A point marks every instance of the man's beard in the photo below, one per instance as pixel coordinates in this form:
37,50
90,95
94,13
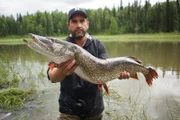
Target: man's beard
78,37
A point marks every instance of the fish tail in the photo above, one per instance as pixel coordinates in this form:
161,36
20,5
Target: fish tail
150,76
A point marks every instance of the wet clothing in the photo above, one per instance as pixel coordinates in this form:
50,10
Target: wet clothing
77,96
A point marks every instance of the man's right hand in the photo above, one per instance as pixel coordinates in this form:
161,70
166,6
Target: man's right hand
60,71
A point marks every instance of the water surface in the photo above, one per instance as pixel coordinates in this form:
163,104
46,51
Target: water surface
161,101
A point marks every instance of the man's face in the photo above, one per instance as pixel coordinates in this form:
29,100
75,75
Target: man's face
78,25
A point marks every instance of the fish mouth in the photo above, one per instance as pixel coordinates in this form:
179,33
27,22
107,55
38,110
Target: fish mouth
52,48
40,44
41,40
33,36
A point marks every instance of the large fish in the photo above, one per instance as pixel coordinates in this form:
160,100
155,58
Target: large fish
90,68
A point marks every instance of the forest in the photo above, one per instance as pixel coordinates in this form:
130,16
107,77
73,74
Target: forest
134,18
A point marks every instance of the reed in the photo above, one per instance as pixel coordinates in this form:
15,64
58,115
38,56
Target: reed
123,108
9,77
12,96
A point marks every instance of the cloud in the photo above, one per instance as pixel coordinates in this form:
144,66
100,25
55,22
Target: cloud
12,7
8,7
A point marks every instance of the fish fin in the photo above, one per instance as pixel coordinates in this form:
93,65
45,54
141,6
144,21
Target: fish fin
106,88
51,65
135,76
150,76
136,59
100,86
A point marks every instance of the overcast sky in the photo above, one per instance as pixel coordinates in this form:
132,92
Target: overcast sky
12,7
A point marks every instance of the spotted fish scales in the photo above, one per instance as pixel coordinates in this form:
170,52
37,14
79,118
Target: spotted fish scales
90,68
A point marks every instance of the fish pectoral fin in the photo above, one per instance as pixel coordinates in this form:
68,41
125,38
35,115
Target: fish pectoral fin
105,88
51,65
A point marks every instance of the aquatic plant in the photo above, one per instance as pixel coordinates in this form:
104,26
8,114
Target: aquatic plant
9,77
123,108
14,98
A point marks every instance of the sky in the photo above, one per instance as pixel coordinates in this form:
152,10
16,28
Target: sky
12,7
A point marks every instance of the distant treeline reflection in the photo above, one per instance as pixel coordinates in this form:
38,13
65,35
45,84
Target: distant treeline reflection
162,55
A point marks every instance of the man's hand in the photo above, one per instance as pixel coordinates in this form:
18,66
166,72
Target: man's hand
124,75
67,67
60,71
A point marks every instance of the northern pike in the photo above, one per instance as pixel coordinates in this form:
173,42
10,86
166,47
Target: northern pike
90,68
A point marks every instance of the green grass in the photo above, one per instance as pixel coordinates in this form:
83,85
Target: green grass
14,98
13,41
123,108
140,37
123,37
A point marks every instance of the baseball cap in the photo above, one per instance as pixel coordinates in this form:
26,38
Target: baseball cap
75,11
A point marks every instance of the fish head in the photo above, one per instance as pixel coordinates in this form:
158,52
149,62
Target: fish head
57,50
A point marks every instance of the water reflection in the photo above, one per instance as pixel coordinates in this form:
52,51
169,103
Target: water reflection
28,66
14,52
163,55
161,101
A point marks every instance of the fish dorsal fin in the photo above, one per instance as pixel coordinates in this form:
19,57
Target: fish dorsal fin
136,59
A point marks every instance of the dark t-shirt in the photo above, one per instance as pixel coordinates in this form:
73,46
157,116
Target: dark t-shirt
80,97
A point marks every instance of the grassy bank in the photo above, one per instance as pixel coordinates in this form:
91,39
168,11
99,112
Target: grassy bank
140,37
124,37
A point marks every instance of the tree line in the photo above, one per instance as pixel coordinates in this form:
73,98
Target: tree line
134,18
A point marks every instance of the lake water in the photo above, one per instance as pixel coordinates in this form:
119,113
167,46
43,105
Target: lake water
129,99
